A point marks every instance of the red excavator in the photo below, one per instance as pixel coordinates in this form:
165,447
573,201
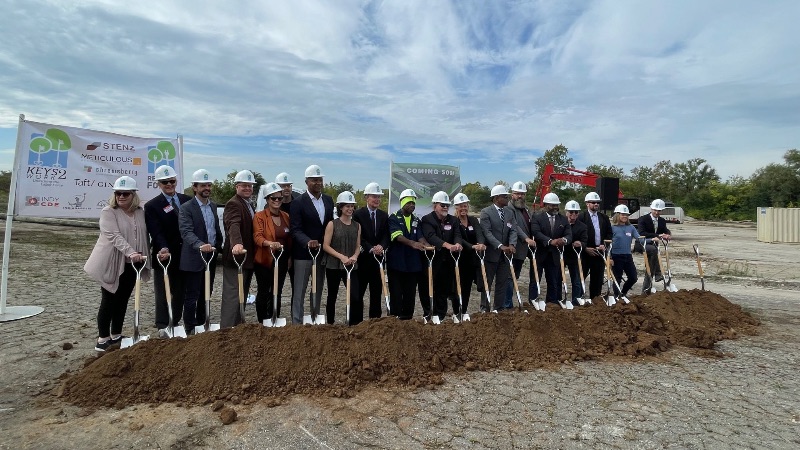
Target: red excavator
580,177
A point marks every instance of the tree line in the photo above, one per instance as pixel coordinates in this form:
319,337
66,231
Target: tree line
694,185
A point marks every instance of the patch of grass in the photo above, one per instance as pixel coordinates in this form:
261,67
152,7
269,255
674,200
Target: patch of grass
738,269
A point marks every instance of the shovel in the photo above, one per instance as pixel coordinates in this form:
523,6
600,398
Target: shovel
458,289
661,269
581,300
699,267
516,285
610,299
668,276
171,330
384,280
566,303
347,293
275,321
481,256
128,341
313,318
433,317
240,275
207,326
536,302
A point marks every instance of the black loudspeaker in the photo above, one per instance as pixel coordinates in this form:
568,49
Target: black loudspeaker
608,189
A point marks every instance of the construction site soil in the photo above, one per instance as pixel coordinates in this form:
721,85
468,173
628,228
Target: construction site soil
251,363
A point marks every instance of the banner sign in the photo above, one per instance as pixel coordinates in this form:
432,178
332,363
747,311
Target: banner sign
70,172
425,180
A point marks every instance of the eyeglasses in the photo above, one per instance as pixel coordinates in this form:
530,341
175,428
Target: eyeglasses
122,194
444,205
168,181
275,199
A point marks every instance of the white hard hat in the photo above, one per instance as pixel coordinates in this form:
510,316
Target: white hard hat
622,209
592,197
313,171
572,205
519,186
408,193
283,178
552,199
125,183
657,204
269,189
165,173
460,198
441,197
346,197
373,189
202,176
500,189
244,176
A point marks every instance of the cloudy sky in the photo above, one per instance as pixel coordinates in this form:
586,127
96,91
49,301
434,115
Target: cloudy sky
352,85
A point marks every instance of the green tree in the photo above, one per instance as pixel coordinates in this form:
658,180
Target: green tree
559,157
479,196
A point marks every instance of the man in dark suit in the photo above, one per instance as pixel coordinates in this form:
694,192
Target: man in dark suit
497,223
308,216
374,241
524,240
442,231
552,233
653,226
161,216
579,239
199,226
240,247
598,230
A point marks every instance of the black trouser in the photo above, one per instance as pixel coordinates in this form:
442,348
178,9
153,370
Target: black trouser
575,278
552,275
424,292
624,263
194,302
595,266
333,277
369,275
113,306
402,293
443,283
176,287
265,279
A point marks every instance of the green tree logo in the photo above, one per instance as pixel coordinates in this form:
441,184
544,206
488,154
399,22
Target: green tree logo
46,149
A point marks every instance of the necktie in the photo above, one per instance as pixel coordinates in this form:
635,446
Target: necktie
502,215
596,225
372,219
552,225
174,204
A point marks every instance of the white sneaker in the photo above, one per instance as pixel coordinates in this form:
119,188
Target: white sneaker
580,301
569,304
465,317
535,305
455,319
541,304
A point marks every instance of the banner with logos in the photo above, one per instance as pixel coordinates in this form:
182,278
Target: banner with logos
425,180
70,172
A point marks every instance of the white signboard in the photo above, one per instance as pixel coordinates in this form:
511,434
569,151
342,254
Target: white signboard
70,172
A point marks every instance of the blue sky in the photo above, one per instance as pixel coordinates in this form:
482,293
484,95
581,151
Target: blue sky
351,85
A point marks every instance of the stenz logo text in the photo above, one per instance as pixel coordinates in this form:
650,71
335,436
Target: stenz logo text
46,173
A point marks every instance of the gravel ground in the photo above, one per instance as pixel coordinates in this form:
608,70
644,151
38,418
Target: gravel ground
748,399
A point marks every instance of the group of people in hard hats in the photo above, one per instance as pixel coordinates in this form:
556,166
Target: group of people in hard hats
437,257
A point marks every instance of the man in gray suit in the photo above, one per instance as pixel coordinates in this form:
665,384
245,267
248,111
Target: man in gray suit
499,229
199,226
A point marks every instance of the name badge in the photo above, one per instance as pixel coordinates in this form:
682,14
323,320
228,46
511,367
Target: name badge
508,224
628,234
448,227
168,208
285,230
469,228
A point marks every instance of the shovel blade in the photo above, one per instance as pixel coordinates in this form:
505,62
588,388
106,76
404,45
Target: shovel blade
319,320
127,342
201,328
465,317
177,332
279,322
610,300
435,320
673,288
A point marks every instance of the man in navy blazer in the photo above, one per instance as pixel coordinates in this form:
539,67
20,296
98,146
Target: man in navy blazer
552,232
161,216
374,240
200,231
308,216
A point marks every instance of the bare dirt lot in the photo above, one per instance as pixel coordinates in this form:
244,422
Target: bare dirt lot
747,398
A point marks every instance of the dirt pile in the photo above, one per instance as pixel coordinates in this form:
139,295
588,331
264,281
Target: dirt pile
251,362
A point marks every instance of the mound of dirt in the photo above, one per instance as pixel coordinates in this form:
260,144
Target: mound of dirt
251,362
